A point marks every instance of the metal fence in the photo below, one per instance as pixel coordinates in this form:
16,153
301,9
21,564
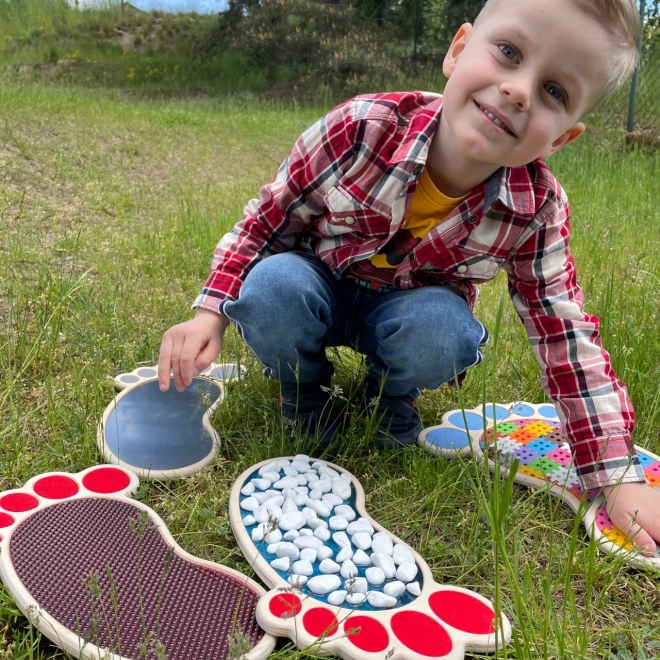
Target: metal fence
644,101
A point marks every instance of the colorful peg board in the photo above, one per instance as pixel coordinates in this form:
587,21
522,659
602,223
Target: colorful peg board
68,540
532,434
425,620
163,435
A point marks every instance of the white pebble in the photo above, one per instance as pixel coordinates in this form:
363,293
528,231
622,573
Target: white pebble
308,542
274,537
346,477
290,471
344,554
348,569
302,489
302,567
271,548
321,508
291,534
318,464
385,563
309,554
289,492
323,553
402,553
271,476
337,597
378,599
315,494
345,510
330,472
324,484
357,585
249,504
311,477
293,520
260,497
414,588
281,564
395,589
332,500
360,525
338,522
306,532
361,558
273,502
374,575
261,484
286,482
269,467
257,534
248,489
315,523
303,458
382,542
322,533
341,539
261,514
324,584
341,489
249,520
361,540
308,512
301,499
329,566
406,571
301,479
355,598
297,580
300,465
288,550
289,505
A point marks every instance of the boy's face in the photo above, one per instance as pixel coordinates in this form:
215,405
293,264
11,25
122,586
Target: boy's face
520,80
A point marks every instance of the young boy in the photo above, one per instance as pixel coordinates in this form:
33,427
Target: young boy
392,207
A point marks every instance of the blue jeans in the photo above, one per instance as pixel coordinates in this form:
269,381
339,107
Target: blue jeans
291,308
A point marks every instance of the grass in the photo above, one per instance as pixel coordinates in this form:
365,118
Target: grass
110,206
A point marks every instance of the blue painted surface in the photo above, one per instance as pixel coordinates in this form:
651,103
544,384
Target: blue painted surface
501,413
474,422
548,411
261,546
523,410
448,438
154,430
147,373
129,378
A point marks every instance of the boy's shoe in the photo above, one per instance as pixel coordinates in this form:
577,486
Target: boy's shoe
307,410
398,420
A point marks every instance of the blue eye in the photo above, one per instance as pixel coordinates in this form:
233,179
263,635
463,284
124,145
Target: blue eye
556,92
508,51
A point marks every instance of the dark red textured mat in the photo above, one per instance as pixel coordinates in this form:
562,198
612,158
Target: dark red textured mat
192,610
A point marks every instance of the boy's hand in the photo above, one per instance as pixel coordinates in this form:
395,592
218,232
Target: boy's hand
635,509
188,348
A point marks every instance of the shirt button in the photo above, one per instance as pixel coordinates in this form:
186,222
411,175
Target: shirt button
349,219
472,219
411,258
418,170
462,268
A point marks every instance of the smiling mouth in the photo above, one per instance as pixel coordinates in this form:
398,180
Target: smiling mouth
498,122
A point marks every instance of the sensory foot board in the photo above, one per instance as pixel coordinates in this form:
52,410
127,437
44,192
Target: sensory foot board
533,434
71,543
163,435
342,584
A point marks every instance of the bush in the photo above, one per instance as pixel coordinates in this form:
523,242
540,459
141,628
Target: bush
318,43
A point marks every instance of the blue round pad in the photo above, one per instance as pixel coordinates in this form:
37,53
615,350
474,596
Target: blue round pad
548,411
128,378
523,410
474,421
448,438
153,430
500,412
147,373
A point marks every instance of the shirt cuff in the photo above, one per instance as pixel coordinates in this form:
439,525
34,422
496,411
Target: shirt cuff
606,462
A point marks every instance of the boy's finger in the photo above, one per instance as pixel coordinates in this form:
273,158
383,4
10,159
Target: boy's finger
165,363
177,345
640,537
189,351
206,356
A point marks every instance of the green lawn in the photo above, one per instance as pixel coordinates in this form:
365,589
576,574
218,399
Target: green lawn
110,207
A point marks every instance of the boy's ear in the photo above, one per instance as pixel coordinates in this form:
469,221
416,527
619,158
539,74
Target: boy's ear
457,46
573,133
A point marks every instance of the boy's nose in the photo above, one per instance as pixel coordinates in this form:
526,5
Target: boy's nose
517,92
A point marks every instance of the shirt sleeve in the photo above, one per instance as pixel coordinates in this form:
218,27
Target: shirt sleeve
286,207
577,375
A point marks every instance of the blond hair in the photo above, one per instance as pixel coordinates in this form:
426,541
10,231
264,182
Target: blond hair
622,22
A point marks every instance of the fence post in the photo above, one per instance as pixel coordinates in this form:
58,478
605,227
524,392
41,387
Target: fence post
635,78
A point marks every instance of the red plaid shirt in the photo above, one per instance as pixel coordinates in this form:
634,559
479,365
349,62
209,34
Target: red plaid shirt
345,190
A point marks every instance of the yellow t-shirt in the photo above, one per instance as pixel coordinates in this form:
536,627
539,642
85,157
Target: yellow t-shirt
429,207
